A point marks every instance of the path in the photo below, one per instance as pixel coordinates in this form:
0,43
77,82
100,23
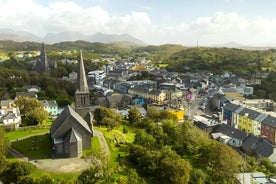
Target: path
103,143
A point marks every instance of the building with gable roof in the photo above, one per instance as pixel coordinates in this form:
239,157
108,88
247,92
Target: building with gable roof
268,129
70,134
9,114
50,106
247,121
227,112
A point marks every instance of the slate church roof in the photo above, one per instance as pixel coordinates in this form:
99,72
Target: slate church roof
72,136
68,113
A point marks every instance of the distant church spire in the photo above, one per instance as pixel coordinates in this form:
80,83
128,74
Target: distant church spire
43,59
82,82
82,95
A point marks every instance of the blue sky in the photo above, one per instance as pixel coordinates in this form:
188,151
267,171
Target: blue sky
210,22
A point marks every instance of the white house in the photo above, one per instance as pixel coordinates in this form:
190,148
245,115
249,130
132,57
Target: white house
9,114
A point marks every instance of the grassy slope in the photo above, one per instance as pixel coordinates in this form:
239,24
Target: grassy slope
115,151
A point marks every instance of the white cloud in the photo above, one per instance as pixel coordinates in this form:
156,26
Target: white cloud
232,27
221,28
68,16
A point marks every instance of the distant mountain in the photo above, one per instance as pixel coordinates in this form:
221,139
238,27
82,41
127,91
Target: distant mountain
13,37
64,36
232,45
21,36
110,38
244,47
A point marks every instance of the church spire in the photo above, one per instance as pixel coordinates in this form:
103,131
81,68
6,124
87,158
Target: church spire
43,59
82,82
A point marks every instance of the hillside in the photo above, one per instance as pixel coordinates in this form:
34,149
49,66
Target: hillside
159,53
97,47
218,60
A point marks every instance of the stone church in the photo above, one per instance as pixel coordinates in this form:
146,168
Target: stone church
43,65
72,130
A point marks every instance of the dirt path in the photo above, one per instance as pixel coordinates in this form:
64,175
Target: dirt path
103,143
65,165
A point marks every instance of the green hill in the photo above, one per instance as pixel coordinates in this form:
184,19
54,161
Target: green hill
218,60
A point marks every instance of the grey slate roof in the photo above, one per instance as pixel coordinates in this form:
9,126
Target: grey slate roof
67,113
220,97
252,114
72,136
270,121
258,146
231,107
239,109
231,131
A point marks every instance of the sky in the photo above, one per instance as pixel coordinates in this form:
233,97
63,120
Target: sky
186,22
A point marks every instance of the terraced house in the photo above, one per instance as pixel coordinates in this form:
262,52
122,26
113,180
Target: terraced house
268,129
248,121
251,121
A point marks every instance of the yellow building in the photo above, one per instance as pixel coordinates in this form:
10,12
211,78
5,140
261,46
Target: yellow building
179,114
245,124
249,121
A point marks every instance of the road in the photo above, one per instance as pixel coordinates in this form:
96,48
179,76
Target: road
194,105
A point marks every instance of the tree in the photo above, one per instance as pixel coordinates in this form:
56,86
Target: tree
133,177
15,171
144,139
133,115
198,176
266,166
91,176
221,161
173,169
32,110
4,144
38,180
153,113
165,114
102,112
110,122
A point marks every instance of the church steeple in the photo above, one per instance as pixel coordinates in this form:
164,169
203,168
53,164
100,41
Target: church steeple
43,59
82,82
82,96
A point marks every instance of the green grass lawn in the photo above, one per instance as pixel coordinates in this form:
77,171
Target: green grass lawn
116,150
35,147
21,133
29,131
95,147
